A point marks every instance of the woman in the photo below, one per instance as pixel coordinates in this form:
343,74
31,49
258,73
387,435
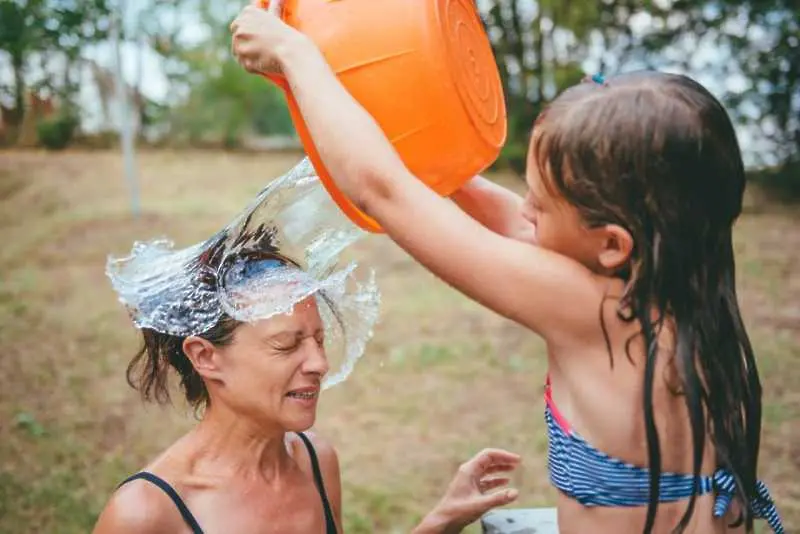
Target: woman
249,465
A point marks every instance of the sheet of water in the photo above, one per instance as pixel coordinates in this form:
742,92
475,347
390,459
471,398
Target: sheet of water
242,271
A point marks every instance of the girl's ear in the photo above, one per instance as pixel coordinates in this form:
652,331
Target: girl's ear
616,247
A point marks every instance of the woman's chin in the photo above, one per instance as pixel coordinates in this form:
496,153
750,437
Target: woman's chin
300,424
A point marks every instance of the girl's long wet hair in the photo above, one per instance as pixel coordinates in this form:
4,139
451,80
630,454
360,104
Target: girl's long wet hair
657,154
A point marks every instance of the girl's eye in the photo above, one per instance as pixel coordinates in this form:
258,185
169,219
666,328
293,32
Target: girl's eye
286,348
320,340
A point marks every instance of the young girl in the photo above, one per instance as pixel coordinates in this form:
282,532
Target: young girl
620,257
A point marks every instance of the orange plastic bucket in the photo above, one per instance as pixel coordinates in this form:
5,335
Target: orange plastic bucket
424,69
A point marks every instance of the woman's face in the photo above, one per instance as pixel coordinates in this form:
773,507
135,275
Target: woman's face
273,369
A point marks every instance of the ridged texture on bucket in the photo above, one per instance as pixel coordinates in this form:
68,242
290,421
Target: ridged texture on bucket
473,66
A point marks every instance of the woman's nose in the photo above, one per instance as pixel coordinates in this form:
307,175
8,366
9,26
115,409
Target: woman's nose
316,360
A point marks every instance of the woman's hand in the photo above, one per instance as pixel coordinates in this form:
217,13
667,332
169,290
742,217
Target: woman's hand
260,37
469,495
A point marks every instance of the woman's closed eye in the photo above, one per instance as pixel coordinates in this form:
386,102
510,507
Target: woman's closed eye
286,343
286,348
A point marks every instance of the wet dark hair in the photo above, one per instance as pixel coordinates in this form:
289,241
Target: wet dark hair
149,370
657,154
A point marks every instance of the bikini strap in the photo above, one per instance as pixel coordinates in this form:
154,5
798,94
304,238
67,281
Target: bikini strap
330,524
172,494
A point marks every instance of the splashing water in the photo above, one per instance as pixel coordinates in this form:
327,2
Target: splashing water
282,249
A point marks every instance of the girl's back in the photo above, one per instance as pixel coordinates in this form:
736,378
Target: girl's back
602,403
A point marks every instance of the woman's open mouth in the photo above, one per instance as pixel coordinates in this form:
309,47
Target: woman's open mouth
304,395
299,395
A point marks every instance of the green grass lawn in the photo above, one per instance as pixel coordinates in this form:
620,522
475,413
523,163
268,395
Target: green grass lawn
441,379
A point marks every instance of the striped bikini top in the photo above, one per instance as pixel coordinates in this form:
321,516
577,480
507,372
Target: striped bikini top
593,478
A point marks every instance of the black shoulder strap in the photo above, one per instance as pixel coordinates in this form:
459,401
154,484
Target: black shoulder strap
172,494
330,524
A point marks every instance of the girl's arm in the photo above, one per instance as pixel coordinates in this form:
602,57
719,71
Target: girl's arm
549,293
542,290
495,207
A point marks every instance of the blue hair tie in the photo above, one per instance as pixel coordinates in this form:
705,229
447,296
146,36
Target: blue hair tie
598,79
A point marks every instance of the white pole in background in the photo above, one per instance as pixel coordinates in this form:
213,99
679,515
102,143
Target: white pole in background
126,133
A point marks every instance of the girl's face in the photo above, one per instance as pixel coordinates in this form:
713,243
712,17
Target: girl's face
559,227
558,224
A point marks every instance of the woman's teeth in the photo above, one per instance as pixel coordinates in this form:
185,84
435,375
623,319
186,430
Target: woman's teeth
309,395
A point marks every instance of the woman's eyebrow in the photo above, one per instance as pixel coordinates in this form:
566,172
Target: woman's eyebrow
294,333
283,335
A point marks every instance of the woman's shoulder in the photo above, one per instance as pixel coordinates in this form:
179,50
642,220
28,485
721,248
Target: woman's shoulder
328,466
322,448
138,506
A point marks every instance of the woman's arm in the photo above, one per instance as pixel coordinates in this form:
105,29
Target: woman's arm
495,207
525,283
471,492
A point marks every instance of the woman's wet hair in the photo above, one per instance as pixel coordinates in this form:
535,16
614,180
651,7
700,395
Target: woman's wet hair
657,155
149,371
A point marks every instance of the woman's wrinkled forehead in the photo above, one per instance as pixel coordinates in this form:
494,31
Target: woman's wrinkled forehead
304,317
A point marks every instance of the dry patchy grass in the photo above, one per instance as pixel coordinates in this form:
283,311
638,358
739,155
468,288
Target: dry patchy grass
442,377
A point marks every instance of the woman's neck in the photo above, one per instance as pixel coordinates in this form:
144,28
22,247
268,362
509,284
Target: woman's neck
231,445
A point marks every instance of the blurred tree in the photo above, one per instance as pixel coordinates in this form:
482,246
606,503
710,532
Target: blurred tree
52,31
21,33
216,100
70,27
758,42
540,47
226,102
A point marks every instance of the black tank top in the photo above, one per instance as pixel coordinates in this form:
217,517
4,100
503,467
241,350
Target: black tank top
330,524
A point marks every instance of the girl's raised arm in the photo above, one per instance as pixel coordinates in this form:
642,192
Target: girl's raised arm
544,291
